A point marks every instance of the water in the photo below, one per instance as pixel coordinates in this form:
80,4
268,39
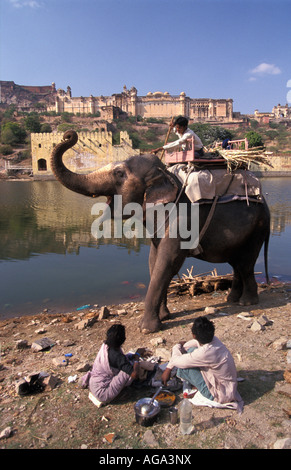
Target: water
49,259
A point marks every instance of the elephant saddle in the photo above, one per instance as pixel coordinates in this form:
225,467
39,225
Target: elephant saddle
207,184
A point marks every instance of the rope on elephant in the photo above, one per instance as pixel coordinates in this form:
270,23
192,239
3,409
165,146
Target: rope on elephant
190,169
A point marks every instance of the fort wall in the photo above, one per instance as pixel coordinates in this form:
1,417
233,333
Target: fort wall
93,150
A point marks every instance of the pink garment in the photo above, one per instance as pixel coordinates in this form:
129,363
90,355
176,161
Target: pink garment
216,365
104,382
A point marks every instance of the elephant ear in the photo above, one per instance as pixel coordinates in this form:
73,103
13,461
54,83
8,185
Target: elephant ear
161,188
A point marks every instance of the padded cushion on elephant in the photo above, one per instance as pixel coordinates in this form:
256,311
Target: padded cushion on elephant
206,184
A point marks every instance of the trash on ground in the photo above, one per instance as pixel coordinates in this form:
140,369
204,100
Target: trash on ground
42,344
83,307
72,378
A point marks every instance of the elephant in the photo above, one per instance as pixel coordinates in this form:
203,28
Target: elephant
235,235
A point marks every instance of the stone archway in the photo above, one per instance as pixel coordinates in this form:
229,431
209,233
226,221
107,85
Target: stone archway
42,164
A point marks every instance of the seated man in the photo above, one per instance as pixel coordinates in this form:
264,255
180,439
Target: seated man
206,364
184,133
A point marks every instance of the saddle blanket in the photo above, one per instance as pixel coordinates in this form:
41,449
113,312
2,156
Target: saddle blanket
206,184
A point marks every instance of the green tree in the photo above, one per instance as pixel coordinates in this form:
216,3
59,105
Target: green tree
254,139
45,127
66,127
66,117
32,123
6,149
12,133
254,123
210,134
9,112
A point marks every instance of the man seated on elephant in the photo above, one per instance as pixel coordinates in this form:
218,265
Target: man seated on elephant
183,132
112,370
206,364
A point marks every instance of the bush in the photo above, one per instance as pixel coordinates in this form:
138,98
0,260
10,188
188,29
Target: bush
210,134
66,117
12,133
32,123
9,112
272,134
155,120
6,149
254,139
254,123
66,127
135,138
46,127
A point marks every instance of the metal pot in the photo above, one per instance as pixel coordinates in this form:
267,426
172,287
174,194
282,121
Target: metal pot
151,416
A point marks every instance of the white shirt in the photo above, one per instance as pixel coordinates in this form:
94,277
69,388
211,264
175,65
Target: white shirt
216,364
188,134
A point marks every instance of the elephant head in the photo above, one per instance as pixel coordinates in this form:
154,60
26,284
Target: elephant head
141,178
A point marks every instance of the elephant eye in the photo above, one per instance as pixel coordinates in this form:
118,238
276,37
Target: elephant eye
119,172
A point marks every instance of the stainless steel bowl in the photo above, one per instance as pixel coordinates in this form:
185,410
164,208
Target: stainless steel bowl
149,418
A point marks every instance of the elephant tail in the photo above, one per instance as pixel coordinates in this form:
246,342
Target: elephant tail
266,246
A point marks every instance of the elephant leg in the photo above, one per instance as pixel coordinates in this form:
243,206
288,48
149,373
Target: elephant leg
250,287
164,312
244,287
236,287
168,261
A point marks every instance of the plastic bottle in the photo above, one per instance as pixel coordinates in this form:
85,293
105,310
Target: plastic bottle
186,415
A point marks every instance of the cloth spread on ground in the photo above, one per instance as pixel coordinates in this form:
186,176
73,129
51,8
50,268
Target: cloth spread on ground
200,400
206,184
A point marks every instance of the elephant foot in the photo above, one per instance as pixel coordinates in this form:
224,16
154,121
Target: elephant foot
243,301
233,298
164,314
150,326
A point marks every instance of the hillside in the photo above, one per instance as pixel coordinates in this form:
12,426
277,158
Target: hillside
145,134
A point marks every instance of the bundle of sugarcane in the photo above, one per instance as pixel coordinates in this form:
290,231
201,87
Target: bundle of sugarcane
238,158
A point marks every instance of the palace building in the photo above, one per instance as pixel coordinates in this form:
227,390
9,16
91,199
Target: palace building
153,105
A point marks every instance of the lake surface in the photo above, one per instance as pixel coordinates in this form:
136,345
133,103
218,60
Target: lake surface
49,259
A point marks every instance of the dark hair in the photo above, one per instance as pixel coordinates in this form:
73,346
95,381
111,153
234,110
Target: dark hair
115,336
181,121
203,329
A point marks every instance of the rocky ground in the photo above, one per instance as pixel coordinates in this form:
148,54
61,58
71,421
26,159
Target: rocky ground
60,416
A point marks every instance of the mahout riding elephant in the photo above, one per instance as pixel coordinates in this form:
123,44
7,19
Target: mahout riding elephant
235,235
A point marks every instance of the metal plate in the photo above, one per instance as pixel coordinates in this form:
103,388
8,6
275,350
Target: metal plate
166,398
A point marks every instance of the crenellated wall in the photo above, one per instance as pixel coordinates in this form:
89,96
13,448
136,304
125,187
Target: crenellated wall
93,150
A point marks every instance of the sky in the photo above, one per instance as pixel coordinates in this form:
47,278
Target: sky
239,49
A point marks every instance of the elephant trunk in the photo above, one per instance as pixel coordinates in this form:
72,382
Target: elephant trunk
97,183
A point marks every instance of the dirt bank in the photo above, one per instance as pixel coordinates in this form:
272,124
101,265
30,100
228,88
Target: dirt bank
62,416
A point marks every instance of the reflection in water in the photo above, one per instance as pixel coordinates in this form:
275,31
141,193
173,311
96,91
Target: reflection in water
44,217
277,192
49,259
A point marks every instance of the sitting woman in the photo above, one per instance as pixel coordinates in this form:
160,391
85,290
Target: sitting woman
112,370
